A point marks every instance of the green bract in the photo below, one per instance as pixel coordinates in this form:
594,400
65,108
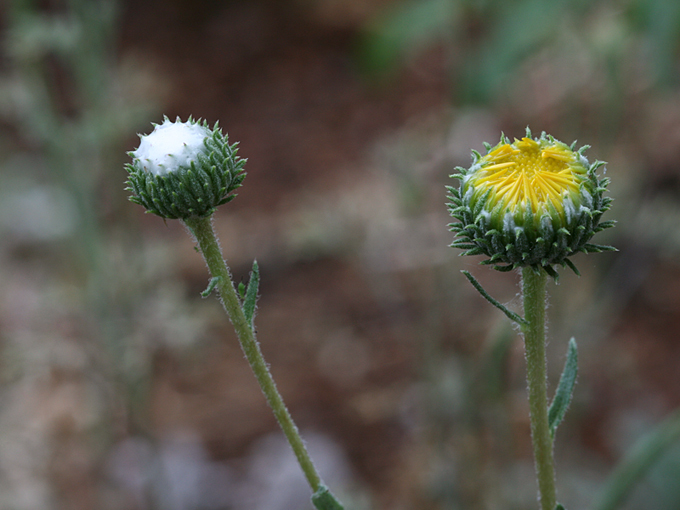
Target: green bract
184,170
532,202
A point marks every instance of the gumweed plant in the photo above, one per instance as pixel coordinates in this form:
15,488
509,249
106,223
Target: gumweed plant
185,170
530,205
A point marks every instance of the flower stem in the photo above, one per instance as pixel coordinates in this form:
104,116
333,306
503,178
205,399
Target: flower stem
534,294
209,246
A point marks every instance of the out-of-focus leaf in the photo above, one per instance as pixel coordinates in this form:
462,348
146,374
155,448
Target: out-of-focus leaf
659,21
515,32
406,29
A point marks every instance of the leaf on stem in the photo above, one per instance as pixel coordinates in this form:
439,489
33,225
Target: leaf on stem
560,507
565,389
250,299
322,499
211,286
510,315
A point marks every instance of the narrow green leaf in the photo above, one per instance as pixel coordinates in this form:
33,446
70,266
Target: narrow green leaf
565,389
322,499
211,286
510,315
560,507
637,463
250,299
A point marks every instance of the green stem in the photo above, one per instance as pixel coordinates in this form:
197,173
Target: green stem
534,293
207,242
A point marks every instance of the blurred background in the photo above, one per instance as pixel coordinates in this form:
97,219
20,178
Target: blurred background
122,389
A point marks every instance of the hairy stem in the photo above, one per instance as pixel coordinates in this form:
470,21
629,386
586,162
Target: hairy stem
534,295
209,246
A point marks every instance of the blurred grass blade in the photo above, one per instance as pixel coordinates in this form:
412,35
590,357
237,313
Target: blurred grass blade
565,389
637,463
250,299
324,500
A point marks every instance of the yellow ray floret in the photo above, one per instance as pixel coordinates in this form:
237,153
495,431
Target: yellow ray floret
529,173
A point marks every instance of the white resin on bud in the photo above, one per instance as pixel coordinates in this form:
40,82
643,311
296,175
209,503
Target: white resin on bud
170,146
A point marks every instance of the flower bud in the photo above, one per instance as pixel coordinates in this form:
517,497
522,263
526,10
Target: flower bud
184,170
533,202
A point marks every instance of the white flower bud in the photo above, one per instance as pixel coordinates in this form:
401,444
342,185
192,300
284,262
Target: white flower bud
170,146
184,170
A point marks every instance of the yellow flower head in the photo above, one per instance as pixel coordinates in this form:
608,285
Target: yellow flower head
530,173
534,201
